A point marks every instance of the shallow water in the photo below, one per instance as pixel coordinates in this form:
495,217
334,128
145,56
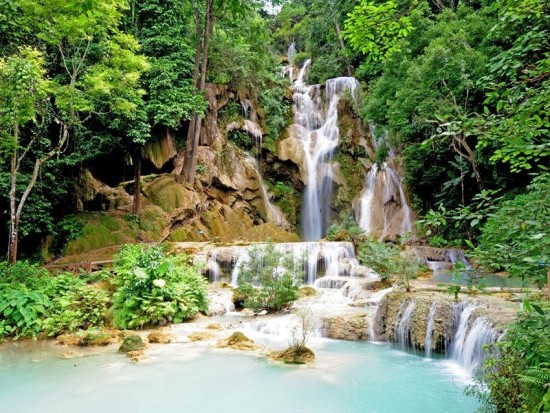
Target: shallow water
347,377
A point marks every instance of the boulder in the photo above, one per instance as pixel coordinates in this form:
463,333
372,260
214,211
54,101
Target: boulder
237,341
294,355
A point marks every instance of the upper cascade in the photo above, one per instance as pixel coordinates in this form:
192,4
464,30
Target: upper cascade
382,208
316,121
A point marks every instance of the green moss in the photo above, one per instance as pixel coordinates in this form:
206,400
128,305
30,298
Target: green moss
152,220
169,193
179,235
109,222
354,174
101,230
131,342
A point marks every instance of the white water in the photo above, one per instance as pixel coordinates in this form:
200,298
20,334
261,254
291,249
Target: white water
382,202
291,52
467,345
316,259
402,329
318,131
430,329
365,216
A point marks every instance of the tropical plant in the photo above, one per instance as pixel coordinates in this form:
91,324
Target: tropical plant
155,289
269,279
22,312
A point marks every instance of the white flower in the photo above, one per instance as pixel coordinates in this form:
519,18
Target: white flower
159,282
140,273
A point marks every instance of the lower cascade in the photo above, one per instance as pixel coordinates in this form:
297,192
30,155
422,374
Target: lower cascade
325,264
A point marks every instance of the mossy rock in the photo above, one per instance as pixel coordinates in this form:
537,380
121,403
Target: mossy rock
100,231
169,193
307,291
294,355
201,336
131,342
152,221
159,337
237,341
96,339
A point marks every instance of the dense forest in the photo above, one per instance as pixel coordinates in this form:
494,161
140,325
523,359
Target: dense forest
458,90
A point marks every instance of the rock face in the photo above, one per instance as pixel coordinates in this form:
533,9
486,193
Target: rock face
237,341
346,327
294,355
416,308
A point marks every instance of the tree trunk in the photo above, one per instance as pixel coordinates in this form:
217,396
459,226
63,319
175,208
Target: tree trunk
342,45
191,159
137,181
14,224
189,150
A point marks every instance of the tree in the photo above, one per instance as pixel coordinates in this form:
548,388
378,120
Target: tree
206,14
99,75
23,91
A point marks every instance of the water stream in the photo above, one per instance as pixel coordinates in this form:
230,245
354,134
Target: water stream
317,124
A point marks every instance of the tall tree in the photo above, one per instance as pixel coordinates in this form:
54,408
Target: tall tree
23,91
99,72
206,14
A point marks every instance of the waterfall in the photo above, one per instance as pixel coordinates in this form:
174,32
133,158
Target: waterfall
383,197
470,338
319,134
430,329
328,262
401,329
291,52
366,200
213,268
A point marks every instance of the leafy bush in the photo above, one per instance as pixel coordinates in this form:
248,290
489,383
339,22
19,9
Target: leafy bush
76,306
22,311
518,373
276,108
23,273
388,261
268,279
516,238
154,289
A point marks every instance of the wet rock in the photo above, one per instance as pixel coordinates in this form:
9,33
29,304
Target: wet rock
294,355
214,326
131,342
237,341
201,336
159,337
136,355
346,327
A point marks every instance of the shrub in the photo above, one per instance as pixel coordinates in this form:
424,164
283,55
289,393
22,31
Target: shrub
154,289
22,312
518,373
268,280
76,306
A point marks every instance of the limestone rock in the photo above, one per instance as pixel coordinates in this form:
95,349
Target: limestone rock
131,342
294,355
346,327
237,341
160,337
201,336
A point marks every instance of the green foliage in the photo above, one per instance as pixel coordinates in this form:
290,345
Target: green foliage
269,279
76,306
131,342
22,311
376,29
518,373
276,107
516,237
154,289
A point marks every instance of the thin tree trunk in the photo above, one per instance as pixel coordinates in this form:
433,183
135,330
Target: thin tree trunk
342,45
186,171
14,225
137,181
190,160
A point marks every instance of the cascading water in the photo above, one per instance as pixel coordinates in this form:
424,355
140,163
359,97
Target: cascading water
467,347
383,205
430,329
402,329
319,134
291,52
333,261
